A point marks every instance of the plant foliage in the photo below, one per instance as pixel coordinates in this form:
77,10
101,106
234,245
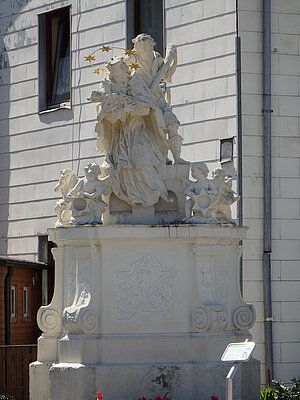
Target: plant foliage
280,391
267,394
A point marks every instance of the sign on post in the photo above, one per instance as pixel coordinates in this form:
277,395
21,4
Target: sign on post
238,352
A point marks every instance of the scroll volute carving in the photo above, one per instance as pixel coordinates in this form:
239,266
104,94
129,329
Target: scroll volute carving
49,317
211,315
81,317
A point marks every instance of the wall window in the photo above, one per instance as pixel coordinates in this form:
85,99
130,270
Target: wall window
45,255
226,150
13,304
146,16
25,302
54,59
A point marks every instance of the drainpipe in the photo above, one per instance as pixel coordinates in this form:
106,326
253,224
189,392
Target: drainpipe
10,271
267,189
239,136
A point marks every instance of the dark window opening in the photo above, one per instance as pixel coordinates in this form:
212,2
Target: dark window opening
45,255
54,59
146,16
25,302
13,304
226,150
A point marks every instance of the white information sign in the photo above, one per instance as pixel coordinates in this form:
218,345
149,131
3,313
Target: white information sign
238,352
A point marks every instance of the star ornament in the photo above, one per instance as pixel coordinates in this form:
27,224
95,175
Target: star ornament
105,49
134,66
129,52
98,71
90,58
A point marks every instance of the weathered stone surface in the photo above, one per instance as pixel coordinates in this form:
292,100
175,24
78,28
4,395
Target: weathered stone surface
137,306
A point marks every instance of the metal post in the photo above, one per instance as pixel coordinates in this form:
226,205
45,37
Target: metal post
229,381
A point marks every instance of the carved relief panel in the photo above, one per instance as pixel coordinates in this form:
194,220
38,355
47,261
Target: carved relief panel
145,287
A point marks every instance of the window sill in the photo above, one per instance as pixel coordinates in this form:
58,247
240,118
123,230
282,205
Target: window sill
62,106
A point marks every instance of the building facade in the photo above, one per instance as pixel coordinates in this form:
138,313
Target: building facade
47,124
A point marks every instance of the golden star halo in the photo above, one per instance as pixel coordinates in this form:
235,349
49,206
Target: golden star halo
90,58
134,66
98,71
105,49
129,52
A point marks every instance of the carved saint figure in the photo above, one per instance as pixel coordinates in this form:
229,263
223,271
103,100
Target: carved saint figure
130,136
86,197
135,126
153,68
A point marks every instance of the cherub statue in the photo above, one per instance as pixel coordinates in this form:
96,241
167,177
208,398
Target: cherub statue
67,180
226,195
202,193
86,197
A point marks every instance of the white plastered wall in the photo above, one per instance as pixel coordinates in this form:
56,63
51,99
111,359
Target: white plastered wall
203,91
285,177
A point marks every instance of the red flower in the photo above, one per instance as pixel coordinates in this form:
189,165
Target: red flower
214,398
99,397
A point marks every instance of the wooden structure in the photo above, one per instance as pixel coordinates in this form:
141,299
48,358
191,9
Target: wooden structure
14,371
21,286
21,297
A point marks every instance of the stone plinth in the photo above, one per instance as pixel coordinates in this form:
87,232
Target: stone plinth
142,310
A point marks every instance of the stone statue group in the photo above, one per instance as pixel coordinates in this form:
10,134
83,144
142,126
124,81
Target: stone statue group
136,129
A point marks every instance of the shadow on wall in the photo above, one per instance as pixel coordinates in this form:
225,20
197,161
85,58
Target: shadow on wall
9,10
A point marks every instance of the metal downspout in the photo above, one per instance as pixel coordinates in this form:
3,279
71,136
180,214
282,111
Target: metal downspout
10,271
267,190
239,137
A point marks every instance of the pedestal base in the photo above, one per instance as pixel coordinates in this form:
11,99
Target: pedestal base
143,311
178,381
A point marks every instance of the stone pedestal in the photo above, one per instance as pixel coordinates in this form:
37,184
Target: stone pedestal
143,311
